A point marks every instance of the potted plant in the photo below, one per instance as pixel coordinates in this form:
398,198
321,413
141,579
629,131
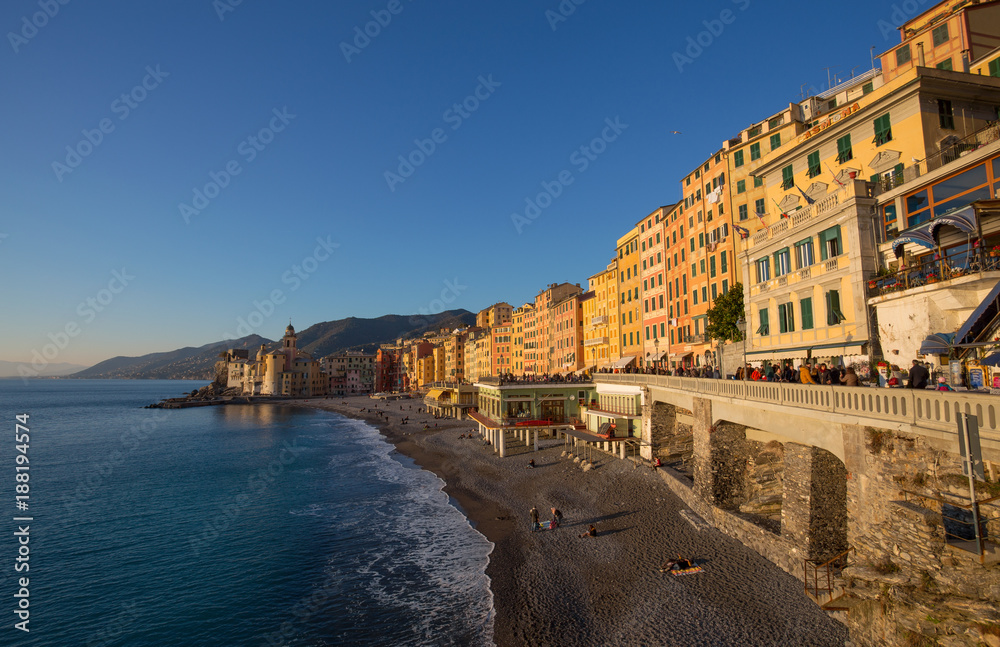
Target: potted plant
872,284
995,251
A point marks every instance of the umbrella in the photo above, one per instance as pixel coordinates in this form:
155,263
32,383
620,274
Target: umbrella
939,343
991,360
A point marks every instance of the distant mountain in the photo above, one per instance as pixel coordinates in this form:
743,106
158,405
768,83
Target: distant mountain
319,340
182,364
10,369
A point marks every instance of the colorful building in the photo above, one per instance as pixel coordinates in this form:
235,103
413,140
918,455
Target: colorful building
600,318
629,299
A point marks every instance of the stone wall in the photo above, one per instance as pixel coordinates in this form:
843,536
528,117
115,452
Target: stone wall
913,587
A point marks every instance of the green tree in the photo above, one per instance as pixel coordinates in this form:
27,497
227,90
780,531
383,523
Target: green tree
722,317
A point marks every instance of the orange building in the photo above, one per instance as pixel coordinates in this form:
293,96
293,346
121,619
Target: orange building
652,251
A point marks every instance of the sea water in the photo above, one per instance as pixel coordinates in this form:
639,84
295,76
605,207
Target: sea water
226,525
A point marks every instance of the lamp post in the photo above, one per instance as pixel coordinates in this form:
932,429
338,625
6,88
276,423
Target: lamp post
741,325
656,355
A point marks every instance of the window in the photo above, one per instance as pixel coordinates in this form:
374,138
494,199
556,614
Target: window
763,270
694,293
701,239
684,282
829,243
692,243
786,318
743,211
787,177
831,104
741,186
755,151
806,307
944,65
757,181
995,67
844,152
946,116
940,34
902,55
833,314
804,253
704,293
711,267
883,130
701,265
722,263
775,141
759,207
763,328
782,262
715,291
775,122
814,168
867,87
725,286
738,159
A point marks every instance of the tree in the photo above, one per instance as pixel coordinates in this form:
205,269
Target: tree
722,317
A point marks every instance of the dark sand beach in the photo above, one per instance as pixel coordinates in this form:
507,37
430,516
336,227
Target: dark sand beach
556,588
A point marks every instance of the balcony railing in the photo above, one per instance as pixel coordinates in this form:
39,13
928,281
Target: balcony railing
596,341
927,270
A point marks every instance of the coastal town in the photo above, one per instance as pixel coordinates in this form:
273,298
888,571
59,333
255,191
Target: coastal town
800,343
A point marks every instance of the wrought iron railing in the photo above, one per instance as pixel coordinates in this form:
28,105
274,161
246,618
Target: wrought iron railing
927,270
819,578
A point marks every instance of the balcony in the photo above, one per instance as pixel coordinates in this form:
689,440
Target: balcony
595,341
927,271
599,321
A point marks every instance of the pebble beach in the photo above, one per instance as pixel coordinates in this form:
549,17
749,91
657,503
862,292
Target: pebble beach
556,588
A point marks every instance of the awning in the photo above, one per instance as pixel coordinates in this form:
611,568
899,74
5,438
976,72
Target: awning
981,318
925,234
937,344
623,362
587,436
435,394
802,352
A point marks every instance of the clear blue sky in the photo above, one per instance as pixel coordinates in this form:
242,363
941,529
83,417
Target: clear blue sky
71,219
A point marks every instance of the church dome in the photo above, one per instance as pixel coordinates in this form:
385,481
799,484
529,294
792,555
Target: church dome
289,330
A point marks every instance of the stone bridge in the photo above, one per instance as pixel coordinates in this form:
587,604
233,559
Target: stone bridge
864,476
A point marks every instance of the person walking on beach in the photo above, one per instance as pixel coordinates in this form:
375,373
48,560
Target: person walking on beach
556,517
534,518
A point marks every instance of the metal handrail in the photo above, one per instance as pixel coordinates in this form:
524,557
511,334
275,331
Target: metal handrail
828,565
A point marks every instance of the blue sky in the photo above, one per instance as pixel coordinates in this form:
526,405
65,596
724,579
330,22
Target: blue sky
287,123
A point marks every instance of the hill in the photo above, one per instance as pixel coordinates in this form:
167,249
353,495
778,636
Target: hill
318,340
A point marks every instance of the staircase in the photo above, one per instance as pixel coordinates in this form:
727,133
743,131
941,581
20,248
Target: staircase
826,588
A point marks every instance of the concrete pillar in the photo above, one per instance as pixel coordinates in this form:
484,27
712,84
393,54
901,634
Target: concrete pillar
720,457
536,439
814,501
621,450
503,444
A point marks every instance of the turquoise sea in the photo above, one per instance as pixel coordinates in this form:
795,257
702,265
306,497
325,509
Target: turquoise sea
232,525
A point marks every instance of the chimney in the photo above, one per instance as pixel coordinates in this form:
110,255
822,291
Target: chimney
920,55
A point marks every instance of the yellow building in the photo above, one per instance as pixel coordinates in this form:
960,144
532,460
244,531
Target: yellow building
497,314
517,343
629,298
807,273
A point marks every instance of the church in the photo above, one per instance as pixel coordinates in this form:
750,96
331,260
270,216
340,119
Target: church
286,371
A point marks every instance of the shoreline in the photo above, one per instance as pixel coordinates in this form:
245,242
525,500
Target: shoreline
557,588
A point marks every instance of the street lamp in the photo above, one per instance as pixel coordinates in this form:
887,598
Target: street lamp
741,325
656,354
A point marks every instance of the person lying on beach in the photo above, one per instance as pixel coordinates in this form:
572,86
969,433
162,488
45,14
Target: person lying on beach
678,564
591,532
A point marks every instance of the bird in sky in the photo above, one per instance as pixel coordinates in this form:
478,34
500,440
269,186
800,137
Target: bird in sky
675,132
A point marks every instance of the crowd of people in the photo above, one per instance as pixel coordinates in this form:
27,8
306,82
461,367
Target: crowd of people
544,378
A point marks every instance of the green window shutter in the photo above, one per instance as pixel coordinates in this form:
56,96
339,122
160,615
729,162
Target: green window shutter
945,65
787,177
758,181
814,167
755,151
741,186
883,130
776,139
711,267
738,159
722,261
807,313
995,67
763,329
844,152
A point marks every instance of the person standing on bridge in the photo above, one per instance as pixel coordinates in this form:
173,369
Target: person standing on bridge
918,376
805,376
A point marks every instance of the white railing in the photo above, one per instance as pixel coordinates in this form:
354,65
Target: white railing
920,408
